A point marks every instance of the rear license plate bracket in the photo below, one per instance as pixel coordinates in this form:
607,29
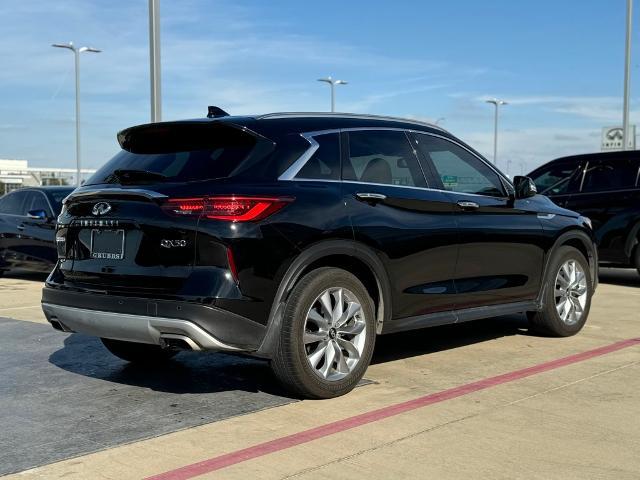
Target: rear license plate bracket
107,244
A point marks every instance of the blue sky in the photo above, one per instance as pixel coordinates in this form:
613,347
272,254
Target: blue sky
558,63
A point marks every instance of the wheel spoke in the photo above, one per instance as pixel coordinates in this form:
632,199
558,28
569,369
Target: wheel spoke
318,355
562,307
342,366
325,301
351,349
318,319
580,290
352,309
336,314
354,329
312,337
330,354
577,306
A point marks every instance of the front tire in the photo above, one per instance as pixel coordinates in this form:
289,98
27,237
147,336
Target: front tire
567,295
327,335
142,353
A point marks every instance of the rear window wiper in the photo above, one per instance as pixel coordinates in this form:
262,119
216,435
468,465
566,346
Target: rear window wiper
124,176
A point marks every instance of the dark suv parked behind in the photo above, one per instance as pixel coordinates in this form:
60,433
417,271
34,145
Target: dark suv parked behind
300,237
606,188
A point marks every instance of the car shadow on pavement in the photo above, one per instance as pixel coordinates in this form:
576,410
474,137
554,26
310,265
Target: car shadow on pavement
209,372
625,277
186,373
435,339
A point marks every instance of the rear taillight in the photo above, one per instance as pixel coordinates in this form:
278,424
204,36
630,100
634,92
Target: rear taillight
232,208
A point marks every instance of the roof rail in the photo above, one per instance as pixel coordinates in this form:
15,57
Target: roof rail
345,115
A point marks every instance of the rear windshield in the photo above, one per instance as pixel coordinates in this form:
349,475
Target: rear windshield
180,153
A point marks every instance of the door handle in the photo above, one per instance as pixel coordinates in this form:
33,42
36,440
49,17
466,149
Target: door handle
371,197
465,205
20,227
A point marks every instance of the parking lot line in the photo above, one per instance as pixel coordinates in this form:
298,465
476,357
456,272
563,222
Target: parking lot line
283,443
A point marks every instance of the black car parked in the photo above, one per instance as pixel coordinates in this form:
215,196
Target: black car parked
27,228
300,237
606,188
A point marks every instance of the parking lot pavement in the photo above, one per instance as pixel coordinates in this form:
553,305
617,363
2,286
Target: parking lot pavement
20,296
449,402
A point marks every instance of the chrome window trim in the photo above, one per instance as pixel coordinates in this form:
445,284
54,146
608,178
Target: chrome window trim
294,169
290,173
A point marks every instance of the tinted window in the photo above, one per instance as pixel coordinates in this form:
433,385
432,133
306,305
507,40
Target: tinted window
325,162
13,203
36,201
610,175
457,169
178,153
558,178
382,156
56,197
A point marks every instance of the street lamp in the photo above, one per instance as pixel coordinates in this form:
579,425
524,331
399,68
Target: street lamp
333,84
627,79
497,104
437,122
77,51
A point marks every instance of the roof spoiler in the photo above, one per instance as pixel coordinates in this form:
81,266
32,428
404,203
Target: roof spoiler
216,112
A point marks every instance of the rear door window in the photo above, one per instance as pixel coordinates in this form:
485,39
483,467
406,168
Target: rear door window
13,203
325,162
610,175
384,157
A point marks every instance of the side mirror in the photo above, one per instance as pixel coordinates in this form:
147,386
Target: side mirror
524,186
37,214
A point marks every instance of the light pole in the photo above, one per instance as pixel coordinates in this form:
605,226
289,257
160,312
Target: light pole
154,60
76,52
497,104
627,79
333,84
437,122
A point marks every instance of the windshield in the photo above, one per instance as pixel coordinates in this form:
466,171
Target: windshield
178,153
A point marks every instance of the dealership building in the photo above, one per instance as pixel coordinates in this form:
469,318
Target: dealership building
16,174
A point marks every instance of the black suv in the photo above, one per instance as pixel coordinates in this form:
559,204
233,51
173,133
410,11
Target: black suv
606,188
300,237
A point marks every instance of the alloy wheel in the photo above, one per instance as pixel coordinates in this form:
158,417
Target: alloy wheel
571,292
334,333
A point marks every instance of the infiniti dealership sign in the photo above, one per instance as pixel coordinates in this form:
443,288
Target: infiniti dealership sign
612,138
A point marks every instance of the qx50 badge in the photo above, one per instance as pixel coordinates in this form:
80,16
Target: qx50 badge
173,243
101,208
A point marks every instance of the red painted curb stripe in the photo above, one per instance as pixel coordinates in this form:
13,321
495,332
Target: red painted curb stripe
282,443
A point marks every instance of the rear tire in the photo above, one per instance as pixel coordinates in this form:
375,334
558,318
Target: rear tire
567,295
323,352
142,353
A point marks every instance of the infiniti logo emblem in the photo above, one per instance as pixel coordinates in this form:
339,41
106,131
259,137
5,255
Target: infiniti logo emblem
101,208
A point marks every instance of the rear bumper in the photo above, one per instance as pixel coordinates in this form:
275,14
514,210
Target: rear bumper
158,322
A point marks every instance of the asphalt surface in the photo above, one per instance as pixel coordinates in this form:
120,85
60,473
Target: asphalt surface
65,395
